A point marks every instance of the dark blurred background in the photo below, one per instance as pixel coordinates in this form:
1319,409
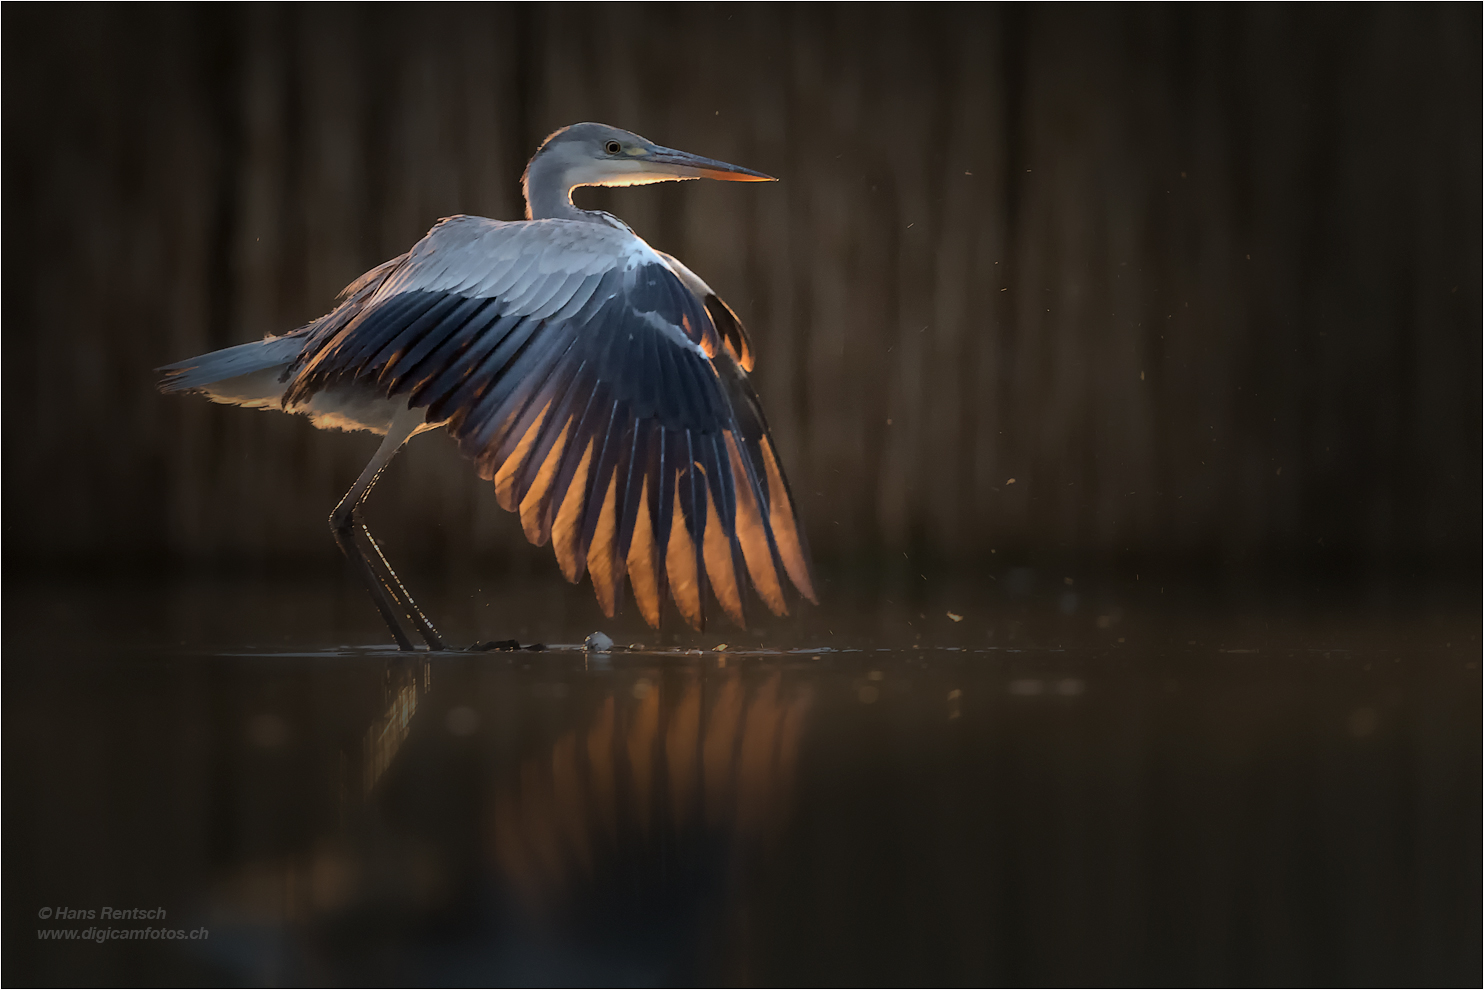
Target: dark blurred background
1205,281
1193,700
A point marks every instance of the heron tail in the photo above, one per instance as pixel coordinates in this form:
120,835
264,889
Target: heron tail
246,375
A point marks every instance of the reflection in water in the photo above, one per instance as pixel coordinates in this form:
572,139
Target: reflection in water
294,889
615,812
656,769
304,884
384,736
952,816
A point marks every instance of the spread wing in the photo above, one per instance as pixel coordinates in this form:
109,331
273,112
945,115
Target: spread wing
594,387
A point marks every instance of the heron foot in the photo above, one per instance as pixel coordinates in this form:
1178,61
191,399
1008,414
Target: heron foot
504,646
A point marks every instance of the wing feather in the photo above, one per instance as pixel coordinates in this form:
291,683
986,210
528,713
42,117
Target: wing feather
535,500
733,333
663,503
680,561
493,406
443,318
571,483
564,528
536,476
785,527
720,569
752,533
610,451
456,389
643,560
345,354
406,369
504,278
603,565
546,505
634,469
455,360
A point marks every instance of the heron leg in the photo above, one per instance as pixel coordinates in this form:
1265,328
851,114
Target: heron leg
391,597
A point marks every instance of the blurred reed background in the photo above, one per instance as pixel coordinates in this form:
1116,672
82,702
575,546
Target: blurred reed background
1205,281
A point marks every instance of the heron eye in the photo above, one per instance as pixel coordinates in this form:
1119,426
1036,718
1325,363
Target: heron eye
611,147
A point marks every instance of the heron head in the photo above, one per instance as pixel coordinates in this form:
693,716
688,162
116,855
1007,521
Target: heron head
600,155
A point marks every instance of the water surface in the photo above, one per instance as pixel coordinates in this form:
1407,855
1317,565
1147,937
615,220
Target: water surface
1073,799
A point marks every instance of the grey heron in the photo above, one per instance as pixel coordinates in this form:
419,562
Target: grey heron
599,383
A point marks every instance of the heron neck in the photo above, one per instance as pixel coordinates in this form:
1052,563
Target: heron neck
549,191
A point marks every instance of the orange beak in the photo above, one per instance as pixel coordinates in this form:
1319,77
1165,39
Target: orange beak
686,165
